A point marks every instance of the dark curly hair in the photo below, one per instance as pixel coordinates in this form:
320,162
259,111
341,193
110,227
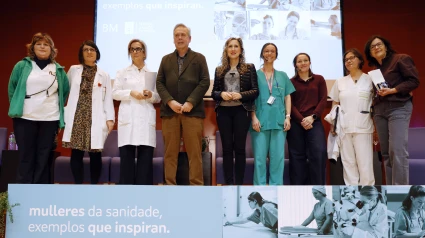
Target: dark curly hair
371,60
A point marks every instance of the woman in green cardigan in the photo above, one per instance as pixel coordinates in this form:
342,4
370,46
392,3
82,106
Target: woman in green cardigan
38,89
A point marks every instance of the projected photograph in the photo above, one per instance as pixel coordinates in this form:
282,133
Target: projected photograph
326,25
305,211
282,5
333,211
250,211
263,25
294,26
406,215
360,211
325,5
288,24
230,24
230,5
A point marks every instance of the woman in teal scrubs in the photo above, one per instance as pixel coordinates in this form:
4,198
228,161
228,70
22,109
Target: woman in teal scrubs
410,218
322,212
265,212
271,119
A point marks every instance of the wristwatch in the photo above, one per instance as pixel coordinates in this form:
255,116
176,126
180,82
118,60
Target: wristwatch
314,116
288,116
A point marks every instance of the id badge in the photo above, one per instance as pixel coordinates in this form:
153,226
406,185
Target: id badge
271,100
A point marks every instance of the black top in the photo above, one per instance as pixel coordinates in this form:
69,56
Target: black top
41,63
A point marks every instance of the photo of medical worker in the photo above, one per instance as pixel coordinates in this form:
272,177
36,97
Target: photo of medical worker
229,24
230,5
296,26
326,25
325,5
250,211
360,212
263,25
305,211
406,211
282,5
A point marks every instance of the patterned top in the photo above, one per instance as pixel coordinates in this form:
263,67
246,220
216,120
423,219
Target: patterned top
232,83
81,129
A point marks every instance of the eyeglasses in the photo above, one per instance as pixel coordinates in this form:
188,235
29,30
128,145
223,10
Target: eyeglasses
138,49
379,45
349,59
89,50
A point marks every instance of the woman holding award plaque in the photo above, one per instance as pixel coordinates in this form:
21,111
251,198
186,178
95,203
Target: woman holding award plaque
393,105
135,87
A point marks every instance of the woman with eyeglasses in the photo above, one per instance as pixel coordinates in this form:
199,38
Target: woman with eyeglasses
136,117
234,91
392,105
410,218
271,119
292,32
354,93
306,138
38,89
89,114
369,217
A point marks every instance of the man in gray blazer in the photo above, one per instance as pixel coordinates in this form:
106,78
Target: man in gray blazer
182,81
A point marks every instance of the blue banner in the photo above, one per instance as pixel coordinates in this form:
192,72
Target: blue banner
115,211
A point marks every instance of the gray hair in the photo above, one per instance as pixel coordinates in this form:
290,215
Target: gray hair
182,25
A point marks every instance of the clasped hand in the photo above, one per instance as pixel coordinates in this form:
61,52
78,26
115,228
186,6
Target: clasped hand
179,108
230,96
307,122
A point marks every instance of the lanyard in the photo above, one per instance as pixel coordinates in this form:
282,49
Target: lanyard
270,82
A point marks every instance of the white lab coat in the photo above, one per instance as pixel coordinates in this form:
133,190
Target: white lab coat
355,100
136,118
102,105
334,142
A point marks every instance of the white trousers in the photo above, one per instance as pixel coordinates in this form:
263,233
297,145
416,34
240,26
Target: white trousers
357,159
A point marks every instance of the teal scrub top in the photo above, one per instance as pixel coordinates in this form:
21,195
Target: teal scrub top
320,212
272,116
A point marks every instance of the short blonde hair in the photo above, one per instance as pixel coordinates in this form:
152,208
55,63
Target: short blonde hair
144,48
42,36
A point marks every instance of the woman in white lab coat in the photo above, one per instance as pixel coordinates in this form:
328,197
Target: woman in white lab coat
372,221
89,114
354,94
136,117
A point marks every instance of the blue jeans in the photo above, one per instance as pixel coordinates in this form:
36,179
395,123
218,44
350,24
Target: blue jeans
392,124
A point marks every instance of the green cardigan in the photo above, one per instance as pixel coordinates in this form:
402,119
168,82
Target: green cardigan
18,88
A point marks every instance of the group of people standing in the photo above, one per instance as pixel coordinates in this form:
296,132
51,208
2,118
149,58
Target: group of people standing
265,102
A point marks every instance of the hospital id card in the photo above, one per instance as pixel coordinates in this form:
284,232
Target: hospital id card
271,99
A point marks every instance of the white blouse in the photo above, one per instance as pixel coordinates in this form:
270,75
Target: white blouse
43,106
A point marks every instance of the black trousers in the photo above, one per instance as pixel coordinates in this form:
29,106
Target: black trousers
143,173
307,154
77,166
233,124
35,143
